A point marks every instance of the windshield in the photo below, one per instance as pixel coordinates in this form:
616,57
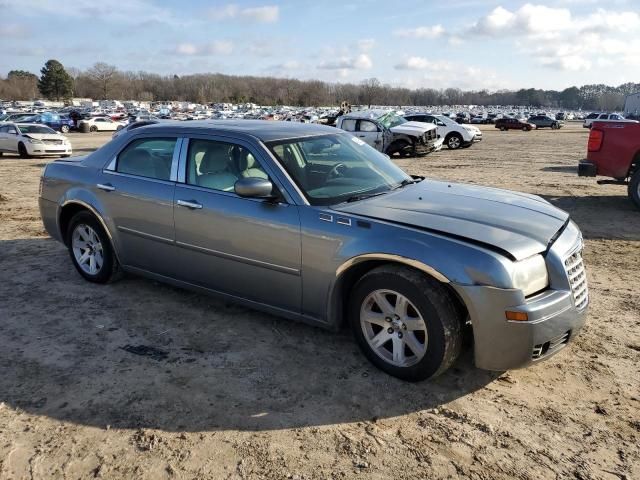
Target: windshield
35,129
390,120
331,169
446,120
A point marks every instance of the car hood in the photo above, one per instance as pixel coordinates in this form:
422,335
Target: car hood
517,224
413,128
44,136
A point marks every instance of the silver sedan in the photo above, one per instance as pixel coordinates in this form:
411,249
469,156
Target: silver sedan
310,223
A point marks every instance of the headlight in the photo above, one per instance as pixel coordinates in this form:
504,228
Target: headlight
530,275
34,140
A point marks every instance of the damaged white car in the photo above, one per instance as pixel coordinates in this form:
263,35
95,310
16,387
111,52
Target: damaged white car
390,133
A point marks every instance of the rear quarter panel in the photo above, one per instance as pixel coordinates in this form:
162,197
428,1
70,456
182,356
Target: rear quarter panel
620,146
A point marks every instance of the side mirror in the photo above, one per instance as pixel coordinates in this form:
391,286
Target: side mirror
253,187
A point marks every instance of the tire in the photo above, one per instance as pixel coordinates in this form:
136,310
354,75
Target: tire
554,126
454,141
85,234
634,187
22,151
399,147
93,128
503,129
437,328
526,129
64,129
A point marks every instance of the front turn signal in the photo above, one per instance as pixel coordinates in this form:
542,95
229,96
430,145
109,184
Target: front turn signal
517,316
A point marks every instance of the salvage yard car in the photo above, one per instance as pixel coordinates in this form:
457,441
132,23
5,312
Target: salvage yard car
28,140
504,124
100,124
311,223
544,121
454,134
390,133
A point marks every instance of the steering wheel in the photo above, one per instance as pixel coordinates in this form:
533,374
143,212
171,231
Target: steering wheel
335,171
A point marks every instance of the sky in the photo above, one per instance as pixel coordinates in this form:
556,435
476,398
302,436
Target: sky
467,44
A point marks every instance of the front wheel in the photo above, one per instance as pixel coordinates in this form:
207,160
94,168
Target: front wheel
634,188
503,129
454,141
64,128
405,323
90,249
22,151
93,128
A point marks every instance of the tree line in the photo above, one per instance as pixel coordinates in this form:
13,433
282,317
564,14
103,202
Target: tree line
103,81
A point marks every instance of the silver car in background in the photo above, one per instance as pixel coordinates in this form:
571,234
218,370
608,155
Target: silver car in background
311,223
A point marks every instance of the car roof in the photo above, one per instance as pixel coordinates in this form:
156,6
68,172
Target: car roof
264,130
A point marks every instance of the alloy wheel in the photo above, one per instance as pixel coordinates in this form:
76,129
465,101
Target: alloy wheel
393,328
87,249
454,142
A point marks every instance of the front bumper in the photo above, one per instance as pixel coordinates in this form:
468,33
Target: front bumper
555,316
587,169
500,344
44,149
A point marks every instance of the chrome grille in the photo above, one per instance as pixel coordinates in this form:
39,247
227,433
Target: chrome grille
577,275
52,142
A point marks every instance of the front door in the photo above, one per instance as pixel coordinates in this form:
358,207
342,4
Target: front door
244,247
137,191
369,133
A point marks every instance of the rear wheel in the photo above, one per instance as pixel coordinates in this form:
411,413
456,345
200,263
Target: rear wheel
503,129
22,151
64,128
634,187
93,128
405,323
90,249
454,141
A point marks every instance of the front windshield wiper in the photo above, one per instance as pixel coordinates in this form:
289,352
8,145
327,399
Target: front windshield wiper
363,196
406,182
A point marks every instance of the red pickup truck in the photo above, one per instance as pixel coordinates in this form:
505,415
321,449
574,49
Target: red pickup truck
614,151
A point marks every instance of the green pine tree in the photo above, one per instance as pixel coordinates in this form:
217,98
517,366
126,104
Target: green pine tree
55,83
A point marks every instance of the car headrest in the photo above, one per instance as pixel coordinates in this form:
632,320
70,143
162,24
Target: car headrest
215,159
247,161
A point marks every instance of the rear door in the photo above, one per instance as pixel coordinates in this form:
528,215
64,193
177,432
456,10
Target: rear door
137,189
245,247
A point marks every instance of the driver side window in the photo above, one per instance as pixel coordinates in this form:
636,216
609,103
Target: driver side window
219,165
367,126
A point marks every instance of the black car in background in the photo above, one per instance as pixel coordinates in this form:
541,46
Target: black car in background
544,121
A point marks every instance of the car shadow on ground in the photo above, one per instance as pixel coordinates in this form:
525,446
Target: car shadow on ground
602,217
139,354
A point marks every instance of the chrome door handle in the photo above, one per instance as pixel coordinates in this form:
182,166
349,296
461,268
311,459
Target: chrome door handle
107,187
189,204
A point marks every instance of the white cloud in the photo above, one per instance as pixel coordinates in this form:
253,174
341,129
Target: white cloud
412,63
366,44
559,40
445,74
218,47
359,62
13,31
433,31
264,14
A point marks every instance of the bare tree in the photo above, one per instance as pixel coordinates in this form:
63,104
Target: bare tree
104,75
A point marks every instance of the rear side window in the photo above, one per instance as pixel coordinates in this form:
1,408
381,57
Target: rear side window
147,157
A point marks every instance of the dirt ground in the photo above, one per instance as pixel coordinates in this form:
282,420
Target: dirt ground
233,393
